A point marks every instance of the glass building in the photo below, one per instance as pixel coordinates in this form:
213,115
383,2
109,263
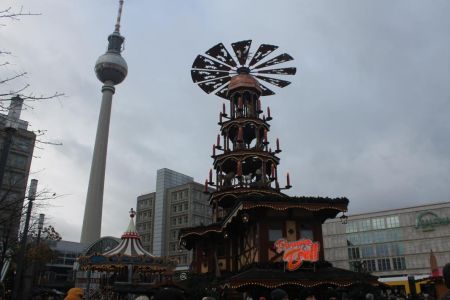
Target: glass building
390,243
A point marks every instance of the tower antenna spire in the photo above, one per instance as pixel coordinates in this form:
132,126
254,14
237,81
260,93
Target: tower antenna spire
119,16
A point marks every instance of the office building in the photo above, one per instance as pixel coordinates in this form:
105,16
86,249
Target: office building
391,242
145,208
187,206
178,202
165,179
17,145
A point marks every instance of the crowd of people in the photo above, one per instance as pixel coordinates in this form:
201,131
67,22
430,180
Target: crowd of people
305,294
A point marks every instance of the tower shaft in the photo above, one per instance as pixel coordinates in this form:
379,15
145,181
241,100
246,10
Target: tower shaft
94,200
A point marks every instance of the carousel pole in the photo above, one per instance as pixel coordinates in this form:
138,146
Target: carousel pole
88,285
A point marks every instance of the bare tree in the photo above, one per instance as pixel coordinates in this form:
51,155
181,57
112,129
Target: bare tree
10,81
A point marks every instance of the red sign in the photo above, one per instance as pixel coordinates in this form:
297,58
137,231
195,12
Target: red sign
298,251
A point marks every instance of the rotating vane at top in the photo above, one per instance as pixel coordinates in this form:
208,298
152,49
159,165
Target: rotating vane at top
213,71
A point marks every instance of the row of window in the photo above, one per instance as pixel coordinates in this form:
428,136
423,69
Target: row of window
145,214
388,235
180,207
180,195
179,220
394,249
378,265
145,202
372,224
199,220
144,226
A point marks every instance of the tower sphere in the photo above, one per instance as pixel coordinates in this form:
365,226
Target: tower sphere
111,66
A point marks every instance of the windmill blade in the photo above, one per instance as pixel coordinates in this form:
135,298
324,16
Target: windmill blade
276,60
265,90
203,62
204,75
223,92
262,52
212,85
282,71
220,53
241,49
278,82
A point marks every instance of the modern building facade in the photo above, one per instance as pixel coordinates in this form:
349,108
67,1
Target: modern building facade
178,202
17,145
390,243
144,219
60,273
165,179
187,206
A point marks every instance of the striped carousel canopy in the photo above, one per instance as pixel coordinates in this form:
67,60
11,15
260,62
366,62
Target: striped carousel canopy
131,244
129,252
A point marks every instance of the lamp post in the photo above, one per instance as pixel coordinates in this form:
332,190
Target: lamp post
17,292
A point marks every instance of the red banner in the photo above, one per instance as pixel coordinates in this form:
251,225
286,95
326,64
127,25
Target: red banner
295,253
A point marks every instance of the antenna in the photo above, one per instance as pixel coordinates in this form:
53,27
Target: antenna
213,71
119,15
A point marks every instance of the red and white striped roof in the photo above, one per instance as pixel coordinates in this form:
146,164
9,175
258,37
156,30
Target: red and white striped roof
131,244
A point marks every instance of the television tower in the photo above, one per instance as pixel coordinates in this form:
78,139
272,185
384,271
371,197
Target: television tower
111,69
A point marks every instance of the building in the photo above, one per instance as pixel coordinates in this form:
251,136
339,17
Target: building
59,273
17,145
145,207
178,202
165,178
392,242
187,206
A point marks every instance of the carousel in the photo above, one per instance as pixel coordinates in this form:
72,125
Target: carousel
127,269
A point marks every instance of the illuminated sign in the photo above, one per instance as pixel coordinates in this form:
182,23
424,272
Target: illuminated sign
429,220
295,253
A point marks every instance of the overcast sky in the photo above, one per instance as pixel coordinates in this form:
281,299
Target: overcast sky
366,116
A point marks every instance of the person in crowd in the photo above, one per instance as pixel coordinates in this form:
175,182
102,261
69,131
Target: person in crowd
75,294
169,294
308,295
279,294
141,297
446,276
369,296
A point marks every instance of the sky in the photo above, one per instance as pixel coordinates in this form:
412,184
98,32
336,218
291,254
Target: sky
366,115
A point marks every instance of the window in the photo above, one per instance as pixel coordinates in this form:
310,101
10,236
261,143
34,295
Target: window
384,264
355,266
397,249
353,253
179,220
186,206
364,225
351,227
382,250
306,232
370,265
399,263
17,161
378,223
275,231
174,208
367,251
174,234
173,221
173,246
185,219
392,222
